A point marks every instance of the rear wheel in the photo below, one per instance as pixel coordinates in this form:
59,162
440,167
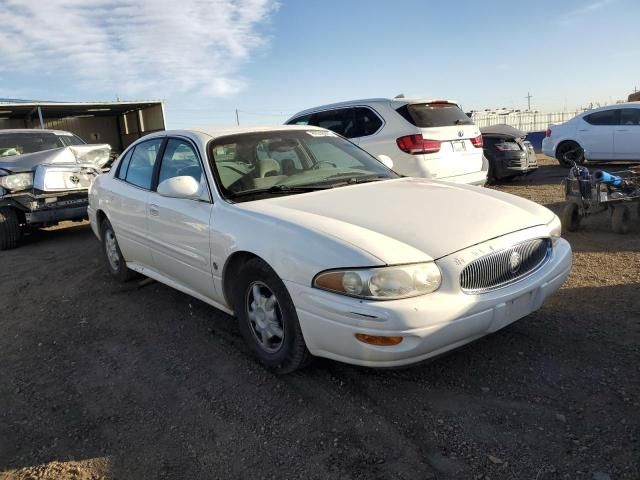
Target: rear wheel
571,217
267,318
620,219
9,228
567,153
113,256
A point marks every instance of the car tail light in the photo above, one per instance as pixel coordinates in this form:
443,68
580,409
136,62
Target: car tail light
477,141
415,144
548,133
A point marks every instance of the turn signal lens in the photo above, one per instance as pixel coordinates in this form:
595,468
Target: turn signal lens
378,340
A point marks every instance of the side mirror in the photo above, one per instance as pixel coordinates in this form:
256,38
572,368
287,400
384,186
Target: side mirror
386,161
180,187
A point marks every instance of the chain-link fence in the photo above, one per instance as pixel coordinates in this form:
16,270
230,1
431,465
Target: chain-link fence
525,121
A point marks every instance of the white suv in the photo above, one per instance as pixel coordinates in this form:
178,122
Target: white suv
425,138
606,133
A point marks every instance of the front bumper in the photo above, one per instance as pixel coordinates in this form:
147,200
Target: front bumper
513,163
42,209
431,324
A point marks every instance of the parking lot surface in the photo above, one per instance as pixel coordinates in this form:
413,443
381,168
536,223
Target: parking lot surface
104,380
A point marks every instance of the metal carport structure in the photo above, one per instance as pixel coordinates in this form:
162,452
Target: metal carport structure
117,123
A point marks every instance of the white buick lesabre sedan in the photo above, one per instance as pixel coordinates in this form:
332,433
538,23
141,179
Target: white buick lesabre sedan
320,249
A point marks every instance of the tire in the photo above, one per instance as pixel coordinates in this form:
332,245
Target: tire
562,150
270,327
571,217
116,264
620,219
9,228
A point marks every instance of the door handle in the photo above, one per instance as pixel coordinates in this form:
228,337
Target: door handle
622,130
153,210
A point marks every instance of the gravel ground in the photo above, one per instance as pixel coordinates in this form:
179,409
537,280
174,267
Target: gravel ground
102,380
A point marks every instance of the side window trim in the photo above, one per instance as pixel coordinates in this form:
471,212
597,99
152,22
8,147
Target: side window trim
193,146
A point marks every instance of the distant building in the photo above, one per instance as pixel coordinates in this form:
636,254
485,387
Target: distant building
634,97
116,123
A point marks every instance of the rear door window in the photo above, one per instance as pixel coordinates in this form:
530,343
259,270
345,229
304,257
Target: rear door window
426,115
606,117
143,159
341,121
367,121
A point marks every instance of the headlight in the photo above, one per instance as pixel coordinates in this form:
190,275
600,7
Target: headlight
555,227
384,283
18,181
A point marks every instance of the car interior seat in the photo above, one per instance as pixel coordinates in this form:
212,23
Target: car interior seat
268,167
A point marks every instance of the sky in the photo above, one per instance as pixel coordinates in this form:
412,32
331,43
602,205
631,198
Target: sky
270,59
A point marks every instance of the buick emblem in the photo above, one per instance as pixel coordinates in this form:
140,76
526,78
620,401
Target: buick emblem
74,179
461,133
515,260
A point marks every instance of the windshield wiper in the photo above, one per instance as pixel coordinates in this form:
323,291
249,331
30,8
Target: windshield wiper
277,189
350,180
463,122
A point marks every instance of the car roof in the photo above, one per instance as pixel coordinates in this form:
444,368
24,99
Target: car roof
205,134
34,130
612,107
394,102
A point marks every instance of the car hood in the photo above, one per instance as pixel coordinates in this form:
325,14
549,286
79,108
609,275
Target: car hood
95,156
408,219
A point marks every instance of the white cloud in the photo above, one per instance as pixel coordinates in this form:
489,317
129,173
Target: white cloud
583,10
152,48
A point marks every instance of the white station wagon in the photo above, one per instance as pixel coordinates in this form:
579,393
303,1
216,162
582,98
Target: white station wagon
320,249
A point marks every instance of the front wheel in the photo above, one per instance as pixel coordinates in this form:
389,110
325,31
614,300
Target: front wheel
267,318
113,256
9,228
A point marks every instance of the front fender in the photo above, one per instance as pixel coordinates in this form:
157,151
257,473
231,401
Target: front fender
295,252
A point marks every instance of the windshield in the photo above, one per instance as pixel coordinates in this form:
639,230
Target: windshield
291,161
31,142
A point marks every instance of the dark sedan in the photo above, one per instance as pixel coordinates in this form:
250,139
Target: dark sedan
508,153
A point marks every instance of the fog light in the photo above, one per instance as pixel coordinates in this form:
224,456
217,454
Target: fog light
50,200
378,340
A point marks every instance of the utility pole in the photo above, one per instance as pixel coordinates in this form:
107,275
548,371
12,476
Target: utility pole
528,97
237,117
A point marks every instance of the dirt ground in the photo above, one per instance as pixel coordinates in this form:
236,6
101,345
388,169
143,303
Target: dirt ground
102,380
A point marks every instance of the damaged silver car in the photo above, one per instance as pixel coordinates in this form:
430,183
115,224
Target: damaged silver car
44,179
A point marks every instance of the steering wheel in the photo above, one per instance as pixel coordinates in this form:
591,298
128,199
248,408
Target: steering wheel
317,165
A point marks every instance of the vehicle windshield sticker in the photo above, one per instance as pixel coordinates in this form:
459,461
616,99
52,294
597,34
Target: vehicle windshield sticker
321,133
64,134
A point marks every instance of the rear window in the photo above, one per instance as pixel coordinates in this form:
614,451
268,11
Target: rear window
425,115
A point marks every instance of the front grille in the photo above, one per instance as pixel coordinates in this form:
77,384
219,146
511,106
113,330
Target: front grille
506,266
